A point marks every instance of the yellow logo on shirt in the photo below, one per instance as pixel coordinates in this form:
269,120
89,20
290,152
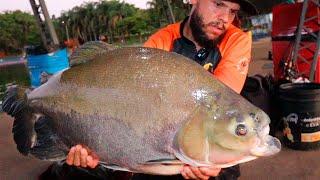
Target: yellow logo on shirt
208,67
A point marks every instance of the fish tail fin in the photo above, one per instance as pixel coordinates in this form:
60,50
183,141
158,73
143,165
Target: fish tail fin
15,106
89,51
32,131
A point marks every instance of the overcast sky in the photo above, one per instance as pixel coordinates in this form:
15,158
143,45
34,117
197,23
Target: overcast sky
55,6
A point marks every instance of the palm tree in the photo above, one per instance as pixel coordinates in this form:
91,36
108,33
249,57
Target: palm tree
161,9
156,12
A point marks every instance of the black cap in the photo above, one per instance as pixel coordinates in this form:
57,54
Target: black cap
247,7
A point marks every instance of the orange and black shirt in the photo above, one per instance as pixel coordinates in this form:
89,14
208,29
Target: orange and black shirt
228,61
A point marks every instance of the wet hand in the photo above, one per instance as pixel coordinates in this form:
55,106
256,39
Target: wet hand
82,156
203,173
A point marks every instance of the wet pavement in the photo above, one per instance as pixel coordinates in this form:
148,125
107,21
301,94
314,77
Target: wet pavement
14,165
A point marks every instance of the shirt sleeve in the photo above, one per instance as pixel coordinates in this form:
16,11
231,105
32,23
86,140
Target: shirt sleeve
151,42
164,38
160,40
233,67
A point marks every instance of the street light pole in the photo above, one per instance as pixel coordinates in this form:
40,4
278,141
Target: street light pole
66,29
171,12
47,31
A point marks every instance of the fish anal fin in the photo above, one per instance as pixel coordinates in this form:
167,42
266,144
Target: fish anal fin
22,130
47,146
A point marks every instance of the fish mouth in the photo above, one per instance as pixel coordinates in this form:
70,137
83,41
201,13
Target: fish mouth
267,145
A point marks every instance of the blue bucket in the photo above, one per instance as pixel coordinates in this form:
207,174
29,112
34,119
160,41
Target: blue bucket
46,63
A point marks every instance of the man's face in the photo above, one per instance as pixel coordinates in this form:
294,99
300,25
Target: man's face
211,18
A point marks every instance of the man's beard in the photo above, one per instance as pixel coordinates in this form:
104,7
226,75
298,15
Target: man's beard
196,24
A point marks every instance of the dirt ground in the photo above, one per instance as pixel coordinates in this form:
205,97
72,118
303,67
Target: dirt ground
288,164
260,64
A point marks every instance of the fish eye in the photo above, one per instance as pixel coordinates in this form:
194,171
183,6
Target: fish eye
241,130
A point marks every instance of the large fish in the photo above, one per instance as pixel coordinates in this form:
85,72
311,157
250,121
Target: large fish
141,110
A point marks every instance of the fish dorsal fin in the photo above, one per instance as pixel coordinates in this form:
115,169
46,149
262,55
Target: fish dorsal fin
89,51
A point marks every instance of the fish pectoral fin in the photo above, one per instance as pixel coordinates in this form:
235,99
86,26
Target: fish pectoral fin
113,167
164,162
162,167
89,51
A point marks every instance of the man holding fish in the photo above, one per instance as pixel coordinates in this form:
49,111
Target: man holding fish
210,37
203,125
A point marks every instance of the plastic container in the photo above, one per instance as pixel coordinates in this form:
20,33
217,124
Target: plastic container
46,64
300,112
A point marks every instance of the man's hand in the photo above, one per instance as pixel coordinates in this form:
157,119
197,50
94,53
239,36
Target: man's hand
204,173
81,156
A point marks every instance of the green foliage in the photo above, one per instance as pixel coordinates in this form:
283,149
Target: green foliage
17,29
159,11
135,24
117,20
111,18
